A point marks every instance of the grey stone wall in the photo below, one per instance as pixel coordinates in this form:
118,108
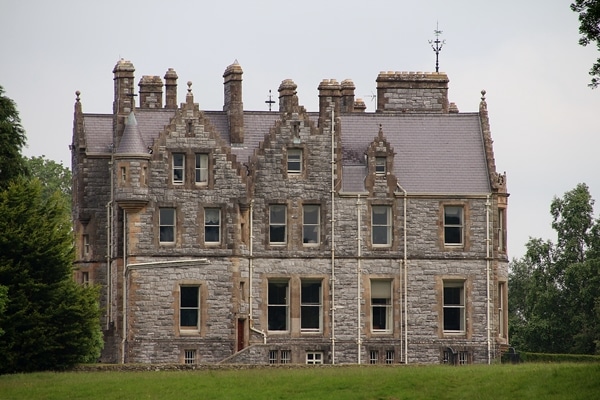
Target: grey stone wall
156,271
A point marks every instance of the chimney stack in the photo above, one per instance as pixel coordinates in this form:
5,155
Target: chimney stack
171,89
288,100
151,91
411,92
348,96
330,95
124,102
234,107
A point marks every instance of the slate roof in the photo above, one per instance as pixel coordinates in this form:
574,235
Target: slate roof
434,153
132,141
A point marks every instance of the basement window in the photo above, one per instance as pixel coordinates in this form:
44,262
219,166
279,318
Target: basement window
189,356
314,357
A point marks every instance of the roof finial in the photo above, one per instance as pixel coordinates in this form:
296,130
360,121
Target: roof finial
270,102
437,45
77,93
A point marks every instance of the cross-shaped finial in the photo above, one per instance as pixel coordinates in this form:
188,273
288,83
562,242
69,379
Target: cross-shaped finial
437,45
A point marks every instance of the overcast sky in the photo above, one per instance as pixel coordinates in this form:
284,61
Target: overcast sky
525,54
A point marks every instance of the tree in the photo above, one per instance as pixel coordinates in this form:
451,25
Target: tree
54,176
12,140
589,28
50,321
554,304
3,301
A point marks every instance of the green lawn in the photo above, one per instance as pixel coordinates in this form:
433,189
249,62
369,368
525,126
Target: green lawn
524,381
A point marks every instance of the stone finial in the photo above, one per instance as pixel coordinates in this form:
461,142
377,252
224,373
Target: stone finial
77,93
189,98
483,103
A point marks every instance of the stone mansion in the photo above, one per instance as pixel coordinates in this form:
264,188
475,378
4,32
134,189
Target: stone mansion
334,236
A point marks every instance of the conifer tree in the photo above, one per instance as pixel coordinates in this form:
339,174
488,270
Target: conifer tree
50,321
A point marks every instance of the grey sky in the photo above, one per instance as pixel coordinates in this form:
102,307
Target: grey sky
525,54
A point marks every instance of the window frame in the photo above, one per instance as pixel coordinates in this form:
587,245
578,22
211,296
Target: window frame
181,168
216,226
502,230
273,307
502,311
85,245
386,306
196,308
277,225
377,227
448,307
452,227
190,356
199,159
380,165
373,356
311,306
314,357
162,225
292,154
311,225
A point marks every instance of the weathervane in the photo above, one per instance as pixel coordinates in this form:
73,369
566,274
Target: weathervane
270,102
437,45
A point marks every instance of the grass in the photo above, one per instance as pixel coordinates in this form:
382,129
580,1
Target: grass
523,381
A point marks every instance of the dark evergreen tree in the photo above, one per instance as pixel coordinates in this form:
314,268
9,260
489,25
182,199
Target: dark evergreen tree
50,322
12,141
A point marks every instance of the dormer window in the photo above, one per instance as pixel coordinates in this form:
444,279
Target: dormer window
380,166
294,161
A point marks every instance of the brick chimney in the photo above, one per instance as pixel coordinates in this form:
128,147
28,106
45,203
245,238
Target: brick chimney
151,91
348,96
330,97
411,92
171,89
234,107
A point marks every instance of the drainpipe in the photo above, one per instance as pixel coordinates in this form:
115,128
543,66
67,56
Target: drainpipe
405,263
109,219
358,276
487,271
250,273
333,237
124,287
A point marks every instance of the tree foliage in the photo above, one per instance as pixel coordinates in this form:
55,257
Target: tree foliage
589,28
54,177
50,321
12,141
554,302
